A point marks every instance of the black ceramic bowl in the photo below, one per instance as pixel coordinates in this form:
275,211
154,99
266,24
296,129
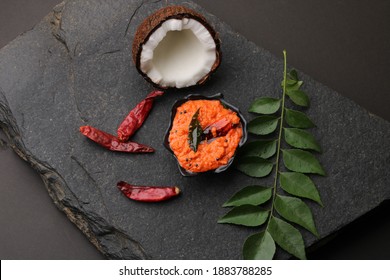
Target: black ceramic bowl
219,97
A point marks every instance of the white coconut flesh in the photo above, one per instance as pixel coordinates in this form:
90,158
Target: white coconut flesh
178,54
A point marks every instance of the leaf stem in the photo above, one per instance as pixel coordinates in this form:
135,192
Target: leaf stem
279,137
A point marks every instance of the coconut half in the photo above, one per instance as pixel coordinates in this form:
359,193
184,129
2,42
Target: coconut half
176,47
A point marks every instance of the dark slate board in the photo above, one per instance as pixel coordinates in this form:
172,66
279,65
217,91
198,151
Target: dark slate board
74,68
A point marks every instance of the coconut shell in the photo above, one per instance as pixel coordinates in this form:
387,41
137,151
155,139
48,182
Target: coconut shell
154,21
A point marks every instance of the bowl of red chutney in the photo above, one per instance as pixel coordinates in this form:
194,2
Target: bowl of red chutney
204,134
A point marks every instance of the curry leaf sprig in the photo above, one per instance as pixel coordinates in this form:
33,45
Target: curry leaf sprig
268,207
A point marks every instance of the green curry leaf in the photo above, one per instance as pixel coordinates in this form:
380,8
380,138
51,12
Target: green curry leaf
302,161
246,215
259,246
299,97
260,148
299,184
295,210
265,105
254,166
298,119
287,237
302,139
195,132
254,195
263,125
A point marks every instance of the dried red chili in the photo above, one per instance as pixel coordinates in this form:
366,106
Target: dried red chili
147,193
112,143
137,116
217,129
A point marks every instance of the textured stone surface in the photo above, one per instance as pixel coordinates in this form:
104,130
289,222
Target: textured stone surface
74,68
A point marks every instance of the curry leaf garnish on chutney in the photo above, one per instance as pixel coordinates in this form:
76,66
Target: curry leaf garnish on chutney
195,132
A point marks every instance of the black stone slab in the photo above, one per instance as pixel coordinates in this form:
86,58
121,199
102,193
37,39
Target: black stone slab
75,68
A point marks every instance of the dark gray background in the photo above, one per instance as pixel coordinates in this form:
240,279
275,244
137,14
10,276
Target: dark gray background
343,44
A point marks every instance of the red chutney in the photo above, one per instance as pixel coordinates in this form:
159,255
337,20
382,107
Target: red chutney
210,154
